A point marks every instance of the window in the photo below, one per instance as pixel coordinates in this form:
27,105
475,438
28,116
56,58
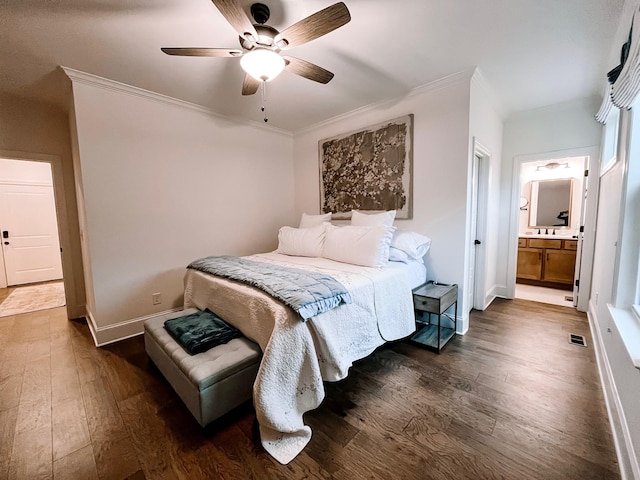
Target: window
610,140
626,305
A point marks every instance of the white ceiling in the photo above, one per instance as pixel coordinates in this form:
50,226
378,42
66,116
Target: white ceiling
532,52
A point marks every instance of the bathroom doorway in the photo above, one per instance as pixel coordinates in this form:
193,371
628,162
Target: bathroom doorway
547,228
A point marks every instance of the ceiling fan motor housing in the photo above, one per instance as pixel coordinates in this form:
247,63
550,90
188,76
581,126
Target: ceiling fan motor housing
260,41
266,34
260,13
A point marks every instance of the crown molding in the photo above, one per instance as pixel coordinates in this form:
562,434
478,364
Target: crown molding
479,80
444,82
76,76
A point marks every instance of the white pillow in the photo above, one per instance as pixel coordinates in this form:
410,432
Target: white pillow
302,242
396,255
372,219
413,244
367,246
307,221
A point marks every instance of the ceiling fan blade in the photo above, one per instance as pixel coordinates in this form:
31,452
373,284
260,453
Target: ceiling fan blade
232,11
314,26
249,85
307,70
203,52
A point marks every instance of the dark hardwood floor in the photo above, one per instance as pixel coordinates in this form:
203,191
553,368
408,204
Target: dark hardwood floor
512,399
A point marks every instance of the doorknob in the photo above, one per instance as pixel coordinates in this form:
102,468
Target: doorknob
5,234
6,243
477,242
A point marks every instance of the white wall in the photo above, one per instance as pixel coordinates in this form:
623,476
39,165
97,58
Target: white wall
162,185
440,168
35,131
564,126
486,127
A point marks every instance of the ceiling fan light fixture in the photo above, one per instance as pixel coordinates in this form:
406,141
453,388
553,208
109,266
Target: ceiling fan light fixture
262,64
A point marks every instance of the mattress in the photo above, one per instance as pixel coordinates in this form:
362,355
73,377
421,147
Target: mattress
298,356
416,271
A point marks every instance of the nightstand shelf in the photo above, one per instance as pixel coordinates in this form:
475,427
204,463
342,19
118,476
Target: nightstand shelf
435,299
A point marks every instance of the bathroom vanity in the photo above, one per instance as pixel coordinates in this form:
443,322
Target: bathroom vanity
546,261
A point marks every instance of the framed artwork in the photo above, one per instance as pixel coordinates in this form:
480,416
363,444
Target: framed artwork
369,169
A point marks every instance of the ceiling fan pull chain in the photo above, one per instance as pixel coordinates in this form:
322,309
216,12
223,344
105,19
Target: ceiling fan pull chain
264,101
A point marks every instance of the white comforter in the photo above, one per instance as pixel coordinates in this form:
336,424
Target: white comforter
298,356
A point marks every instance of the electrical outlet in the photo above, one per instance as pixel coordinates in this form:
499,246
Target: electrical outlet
156,299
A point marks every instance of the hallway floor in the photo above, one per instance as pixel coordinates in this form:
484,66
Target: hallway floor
552,296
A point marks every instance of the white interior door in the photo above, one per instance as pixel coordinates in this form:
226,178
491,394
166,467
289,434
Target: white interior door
30,241
576,288
471,275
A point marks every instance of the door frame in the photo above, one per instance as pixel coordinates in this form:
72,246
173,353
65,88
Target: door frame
61,215
481,162
588,239
26,187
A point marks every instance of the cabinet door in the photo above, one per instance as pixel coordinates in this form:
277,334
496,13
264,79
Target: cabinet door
529,263
559,266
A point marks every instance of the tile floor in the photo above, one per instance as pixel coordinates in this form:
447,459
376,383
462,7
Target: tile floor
544,295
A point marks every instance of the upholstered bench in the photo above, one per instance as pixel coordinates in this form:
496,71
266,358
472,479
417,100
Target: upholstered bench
210,383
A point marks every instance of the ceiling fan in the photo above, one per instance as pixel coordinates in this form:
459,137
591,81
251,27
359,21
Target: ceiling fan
261,44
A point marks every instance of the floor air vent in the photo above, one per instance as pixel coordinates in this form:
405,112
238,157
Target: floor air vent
577,340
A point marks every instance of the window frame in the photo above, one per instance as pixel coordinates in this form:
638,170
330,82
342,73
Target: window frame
625,308
611,138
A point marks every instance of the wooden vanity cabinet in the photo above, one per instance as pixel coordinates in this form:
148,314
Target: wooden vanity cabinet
559,266
529,263
546,262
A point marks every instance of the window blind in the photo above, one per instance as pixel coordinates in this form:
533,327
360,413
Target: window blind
626,87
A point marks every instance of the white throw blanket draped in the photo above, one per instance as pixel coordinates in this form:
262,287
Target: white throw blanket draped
298,356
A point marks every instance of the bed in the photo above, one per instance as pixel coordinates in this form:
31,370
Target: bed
299,355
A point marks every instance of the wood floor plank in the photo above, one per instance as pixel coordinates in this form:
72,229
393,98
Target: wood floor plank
77,465
113,451
102,413
447,451
440,406
492,459
8,420
69,427
115,458
126,368
153,441
89,359
511,399
558,448
31,456
11,388
364,458
256,463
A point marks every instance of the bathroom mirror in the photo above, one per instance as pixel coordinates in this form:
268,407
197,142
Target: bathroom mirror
550,204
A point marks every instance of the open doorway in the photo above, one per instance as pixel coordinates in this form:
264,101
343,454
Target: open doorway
551,210
583,231
31,273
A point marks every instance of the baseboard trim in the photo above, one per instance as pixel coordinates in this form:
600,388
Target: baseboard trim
76,311
462,326
121,331
500,291
628,462
490,297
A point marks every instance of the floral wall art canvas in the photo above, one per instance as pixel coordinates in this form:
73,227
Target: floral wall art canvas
370,169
